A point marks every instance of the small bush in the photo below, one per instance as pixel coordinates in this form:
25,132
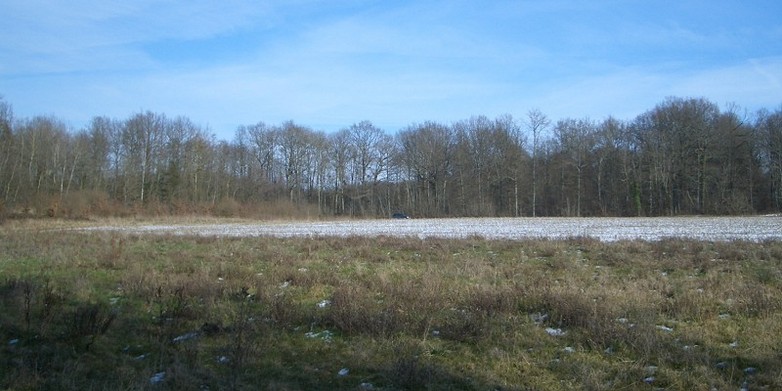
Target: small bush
228,207
463,325
354,310
754,300
88,322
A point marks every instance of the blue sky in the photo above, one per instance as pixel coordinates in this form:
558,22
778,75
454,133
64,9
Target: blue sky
329,64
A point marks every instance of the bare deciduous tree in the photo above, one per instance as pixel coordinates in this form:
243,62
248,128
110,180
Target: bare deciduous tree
537,123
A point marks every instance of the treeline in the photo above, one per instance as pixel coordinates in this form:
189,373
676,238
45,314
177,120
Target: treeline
684,156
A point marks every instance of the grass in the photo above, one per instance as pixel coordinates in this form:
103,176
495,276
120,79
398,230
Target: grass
113,311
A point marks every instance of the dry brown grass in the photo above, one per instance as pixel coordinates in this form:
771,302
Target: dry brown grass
398,313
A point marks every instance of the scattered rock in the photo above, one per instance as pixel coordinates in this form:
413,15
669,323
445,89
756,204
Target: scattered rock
13,342
569,349
247,295
366,386
223,359
721,365
649,380
555,332
324,303
185,337
664,328
343,372
157,378
734,344
750,370
324,335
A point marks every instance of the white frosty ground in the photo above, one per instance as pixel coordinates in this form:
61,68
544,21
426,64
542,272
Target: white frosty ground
753,228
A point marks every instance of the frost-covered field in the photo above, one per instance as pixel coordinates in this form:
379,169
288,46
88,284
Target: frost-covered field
754,228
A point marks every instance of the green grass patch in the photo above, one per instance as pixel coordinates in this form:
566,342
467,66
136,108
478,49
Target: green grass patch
114,311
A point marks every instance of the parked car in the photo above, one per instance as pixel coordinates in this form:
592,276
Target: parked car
400,216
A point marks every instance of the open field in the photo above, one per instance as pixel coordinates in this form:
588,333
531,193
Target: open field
190,309
750,228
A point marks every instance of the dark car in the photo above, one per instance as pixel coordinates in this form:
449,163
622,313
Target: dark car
400,216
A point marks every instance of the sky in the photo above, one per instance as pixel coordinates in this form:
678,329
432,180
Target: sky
330,64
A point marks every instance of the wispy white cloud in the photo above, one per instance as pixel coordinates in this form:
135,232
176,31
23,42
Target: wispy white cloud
329,64
626,93
82,35
753,83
